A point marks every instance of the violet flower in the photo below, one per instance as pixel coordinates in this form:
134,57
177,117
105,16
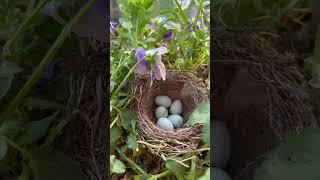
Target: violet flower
113,27
158,70
151,25
184,4
194,12
124,86
142,67
168,35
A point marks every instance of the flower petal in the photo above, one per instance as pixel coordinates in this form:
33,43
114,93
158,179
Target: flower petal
159,70
162,68
168,35
156,72
141,68
161,50
140,53
194,12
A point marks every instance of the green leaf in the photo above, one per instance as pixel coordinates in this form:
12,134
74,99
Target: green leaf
54,165
3,149
296,158
132,142
116,166
12,127
206,133
127,25
36,130
127,116
192,173
9,69
5,85
176,168
200,115
206,176
115,134
7,72
143,177
147,4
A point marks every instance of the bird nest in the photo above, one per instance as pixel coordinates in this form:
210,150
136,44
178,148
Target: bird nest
178,85
260,93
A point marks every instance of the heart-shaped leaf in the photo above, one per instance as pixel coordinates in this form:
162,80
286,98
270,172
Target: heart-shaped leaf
200,115
5,85
115,134
116,166
36,130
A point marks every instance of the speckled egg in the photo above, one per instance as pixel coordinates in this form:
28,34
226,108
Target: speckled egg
176,107
176,120
165,124
163,100
161,112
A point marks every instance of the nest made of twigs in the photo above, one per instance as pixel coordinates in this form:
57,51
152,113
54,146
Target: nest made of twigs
178,85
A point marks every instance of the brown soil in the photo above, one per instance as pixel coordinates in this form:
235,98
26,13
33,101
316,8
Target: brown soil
259,93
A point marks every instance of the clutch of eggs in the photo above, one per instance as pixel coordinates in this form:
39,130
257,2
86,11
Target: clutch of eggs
165,105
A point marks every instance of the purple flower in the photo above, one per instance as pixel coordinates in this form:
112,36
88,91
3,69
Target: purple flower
140,53
194,12
151,24
142,67
158,70
113,27
168,35
123,88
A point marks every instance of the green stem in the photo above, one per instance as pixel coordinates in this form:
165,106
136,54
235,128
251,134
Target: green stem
158,176
119,66
114,122
124,80
132,164
198,12
184,17
22,27
45,61
56,131
15,145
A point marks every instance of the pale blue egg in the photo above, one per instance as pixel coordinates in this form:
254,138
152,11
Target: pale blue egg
165,124
176,120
